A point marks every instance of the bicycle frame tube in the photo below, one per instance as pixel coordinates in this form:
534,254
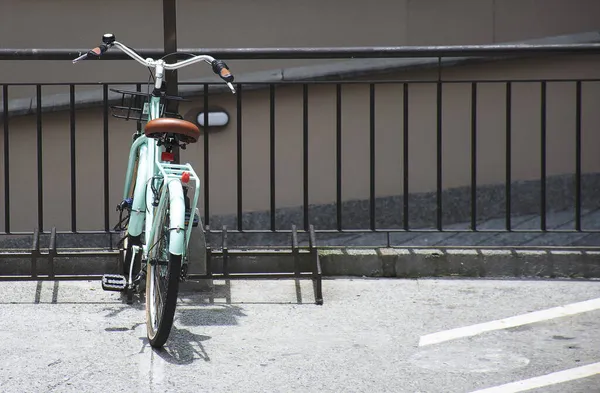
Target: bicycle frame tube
150,235
138,208
151,164
142,207
133,152
149,175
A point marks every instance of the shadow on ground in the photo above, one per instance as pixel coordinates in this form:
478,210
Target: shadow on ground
183,347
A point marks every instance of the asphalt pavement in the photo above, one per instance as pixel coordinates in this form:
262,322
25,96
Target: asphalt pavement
371,335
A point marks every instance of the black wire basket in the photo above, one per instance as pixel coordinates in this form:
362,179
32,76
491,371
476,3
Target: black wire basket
134,105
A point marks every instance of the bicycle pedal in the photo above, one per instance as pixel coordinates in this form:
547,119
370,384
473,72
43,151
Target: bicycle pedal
114,282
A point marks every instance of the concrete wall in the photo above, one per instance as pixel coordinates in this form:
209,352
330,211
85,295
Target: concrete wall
267,23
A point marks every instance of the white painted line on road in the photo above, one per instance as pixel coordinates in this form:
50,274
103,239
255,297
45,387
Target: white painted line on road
536,316
545,380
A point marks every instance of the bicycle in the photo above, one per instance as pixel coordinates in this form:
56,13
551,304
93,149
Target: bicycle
160,217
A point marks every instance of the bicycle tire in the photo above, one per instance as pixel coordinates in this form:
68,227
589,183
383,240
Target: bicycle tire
159,317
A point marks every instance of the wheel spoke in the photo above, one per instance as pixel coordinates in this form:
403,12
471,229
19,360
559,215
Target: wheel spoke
160,286
152,298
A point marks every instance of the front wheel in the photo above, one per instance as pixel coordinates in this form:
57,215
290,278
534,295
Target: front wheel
162,282
162,286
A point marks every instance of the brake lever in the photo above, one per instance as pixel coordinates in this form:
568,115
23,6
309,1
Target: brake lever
231,87
82,57
96,53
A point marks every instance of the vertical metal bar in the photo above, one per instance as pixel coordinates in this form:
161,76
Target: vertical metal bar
239,159
317,273
578,157
405,190
338,154
305,152
272,151
543,157
295,250
73,160
225,250
206,159
439,156
372,155
106,167
439,148
6,160
170,46
52,252
474,156
209,260
508,154
35,251
40,166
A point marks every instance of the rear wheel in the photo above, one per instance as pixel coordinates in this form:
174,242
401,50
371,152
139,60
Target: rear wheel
162,282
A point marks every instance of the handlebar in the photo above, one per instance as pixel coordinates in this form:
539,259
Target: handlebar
219,67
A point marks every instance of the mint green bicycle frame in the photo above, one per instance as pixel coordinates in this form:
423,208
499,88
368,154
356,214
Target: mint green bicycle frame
150,172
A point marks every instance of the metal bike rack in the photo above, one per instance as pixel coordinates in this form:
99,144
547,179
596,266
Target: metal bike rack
35,253
228,269
222,263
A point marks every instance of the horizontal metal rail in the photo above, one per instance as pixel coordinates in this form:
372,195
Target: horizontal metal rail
326,82
316,53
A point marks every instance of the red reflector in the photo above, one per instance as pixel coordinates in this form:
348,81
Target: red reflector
166,156
185,177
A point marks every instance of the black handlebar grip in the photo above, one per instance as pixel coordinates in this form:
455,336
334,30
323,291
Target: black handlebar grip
220,68
107,41
98,51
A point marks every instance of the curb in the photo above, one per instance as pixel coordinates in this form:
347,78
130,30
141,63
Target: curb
379,262
463,262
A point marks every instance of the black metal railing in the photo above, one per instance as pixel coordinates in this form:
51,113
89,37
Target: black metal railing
332,215
370,52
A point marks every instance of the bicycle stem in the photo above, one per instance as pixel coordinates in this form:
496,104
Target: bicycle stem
159,74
